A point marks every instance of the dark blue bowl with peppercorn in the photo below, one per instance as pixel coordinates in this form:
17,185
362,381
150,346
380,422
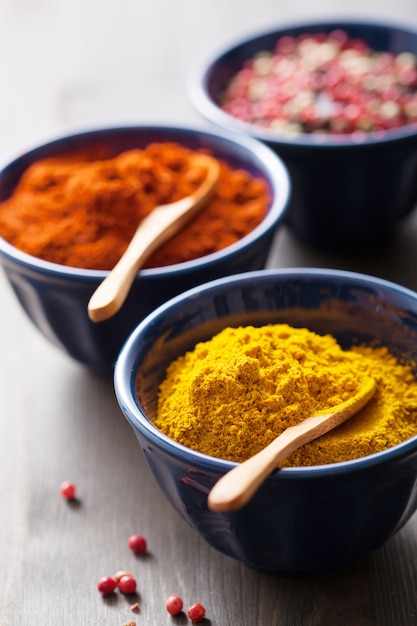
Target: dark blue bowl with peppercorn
303,520
343,118
55,296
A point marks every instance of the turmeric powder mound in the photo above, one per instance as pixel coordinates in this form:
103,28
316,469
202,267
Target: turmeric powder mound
232,395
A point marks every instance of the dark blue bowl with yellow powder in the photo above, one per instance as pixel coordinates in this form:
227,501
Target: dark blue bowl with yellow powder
303,520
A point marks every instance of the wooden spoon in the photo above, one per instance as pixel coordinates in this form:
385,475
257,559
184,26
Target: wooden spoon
237,487
159,226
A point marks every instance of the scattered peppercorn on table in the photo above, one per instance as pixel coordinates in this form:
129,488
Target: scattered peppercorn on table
79,509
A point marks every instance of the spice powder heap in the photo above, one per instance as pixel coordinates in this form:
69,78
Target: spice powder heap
83,213
232,395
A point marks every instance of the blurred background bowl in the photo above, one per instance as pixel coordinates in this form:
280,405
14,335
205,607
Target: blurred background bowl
302,520
55,297
349,191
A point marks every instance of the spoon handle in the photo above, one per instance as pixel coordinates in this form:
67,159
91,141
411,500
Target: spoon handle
237,487
159,226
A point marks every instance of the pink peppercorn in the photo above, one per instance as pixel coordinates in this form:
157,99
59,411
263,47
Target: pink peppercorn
324,83
127,584
197,612
68,490
119,574
106,585
174,604
137,544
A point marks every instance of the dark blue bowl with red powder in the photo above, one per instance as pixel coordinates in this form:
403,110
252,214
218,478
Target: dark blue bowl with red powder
303,520
349,190
55,297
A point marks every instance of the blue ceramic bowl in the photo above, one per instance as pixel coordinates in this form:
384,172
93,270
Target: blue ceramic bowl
55,297
348,191
302,520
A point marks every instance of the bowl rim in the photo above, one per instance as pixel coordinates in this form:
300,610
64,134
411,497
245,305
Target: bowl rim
268,161
200,71
126,367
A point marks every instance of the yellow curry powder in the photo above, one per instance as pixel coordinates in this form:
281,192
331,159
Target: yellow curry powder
232,395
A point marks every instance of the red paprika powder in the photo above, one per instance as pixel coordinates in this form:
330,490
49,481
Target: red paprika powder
83,213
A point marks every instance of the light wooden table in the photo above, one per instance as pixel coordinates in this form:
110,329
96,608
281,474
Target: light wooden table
89,63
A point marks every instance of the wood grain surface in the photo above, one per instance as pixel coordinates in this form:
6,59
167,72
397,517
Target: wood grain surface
86,63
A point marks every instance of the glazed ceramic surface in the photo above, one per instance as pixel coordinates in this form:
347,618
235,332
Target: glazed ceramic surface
302,520
55,297
348,191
